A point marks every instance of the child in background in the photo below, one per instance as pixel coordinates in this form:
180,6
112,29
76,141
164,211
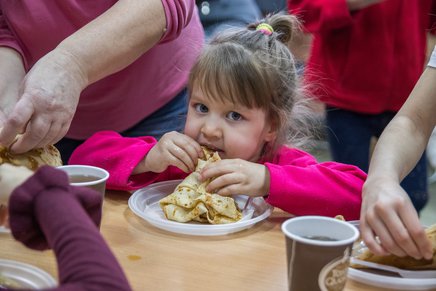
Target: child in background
246,104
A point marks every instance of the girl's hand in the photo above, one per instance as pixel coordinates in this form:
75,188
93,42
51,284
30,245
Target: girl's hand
388,213
236,176
173,149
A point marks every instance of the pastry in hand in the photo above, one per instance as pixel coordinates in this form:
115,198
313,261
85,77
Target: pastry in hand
33,159
191,202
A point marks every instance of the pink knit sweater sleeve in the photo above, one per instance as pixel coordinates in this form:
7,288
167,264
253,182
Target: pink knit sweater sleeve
119,156
302,186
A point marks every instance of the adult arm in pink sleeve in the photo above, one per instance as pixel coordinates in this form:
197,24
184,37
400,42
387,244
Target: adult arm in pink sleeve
321,15
119,156
178,14
46,212
302,186
113,42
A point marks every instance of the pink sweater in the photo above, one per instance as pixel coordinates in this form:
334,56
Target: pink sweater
119,101
299,184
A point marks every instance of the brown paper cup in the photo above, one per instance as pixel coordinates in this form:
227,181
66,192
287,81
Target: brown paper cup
318,252
87,176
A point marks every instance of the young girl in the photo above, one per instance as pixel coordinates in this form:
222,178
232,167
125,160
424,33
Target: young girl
244,103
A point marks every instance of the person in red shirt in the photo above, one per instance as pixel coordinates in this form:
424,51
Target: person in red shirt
365,59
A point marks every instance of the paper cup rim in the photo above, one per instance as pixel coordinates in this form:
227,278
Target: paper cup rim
341,242
102,179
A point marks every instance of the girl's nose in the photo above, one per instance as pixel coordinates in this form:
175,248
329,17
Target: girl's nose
211,129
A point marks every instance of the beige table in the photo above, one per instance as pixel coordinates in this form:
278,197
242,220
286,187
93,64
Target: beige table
154,259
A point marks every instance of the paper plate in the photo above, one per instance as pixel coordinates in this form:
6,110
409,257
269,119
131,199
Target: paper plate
145,204
4,230
25,276
386,279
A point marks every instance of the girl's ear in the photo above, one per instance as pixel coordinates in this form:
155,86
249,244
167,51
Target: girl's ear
271,133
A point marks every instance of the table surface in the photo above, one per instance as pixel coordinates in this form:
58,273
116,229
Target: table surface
154,259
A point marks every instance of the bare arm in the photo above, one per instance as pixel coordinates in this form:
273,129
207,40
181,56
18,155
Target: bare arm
387,211
116,38
12,72
50,91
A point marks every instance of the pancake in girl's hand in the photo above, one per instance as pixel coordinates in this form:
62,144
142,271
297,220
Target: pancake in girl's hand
191,202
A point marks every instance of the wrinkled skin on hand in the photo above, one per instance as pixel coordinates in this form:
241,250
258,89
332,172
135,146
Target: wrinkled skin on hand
47,102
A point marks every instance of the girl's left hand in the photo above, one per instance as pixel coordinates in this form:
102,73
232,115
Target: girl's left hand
236,176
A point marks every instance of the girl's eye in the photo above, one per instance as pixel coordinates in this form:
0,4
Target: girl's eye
234,116
201,108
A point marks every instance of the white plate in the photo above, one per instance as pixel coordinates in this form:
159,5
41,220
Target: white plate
387,280
4,230
25,275
145,204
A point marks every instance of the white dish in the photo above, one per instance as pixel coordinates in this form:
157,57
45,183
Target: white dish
4,230
145,204
25,275
390,281
385,279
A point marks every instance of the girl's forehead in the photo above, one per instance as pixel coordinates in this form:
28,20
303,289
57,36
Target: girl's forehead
210,92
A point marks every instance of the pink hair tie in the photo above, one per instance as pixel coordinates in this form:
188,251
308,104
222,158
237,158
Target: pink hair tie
265,28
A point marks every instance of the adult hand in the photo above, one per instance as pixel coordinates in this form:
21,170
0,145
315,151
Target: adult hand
48,99
175,149
236,176
388,213
360,4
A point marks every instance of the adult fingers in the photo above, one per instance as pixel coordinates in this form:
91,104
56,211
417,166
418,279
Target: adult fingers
16,123
416,233
369,237
37,129
54,129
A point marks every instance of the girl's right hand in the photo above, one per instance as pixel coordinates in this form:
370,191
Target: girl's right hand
173,149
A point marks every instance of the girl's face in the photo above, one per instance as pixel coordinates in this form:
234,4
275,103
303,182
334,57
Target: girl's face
233,130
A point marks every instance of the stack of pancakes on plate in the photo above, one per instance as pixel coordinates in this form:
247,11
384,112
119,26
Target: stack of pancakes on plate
191,202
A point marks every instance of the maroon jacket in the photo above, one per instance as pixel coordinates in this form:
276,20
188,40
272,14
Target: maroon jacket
369,60
45,212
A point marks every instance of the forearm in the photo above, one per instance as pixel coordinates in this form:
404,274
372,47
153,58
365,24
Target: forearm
115,39
12,72
405,138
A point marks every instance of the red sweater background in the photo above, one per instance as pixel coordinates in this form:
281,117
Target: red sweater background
366,61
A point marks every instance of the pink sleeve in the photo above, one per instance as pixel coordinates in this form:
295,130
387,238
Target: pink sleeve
305,187
321,15
119,156
7,38
178,14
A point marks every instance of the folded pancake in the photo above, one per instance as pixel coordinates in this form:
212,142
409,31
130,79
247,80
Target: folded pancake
33,159
191,202
407,263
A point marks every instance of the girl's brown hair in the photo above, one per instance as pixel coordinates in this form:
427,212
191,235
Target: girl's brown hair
249,67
